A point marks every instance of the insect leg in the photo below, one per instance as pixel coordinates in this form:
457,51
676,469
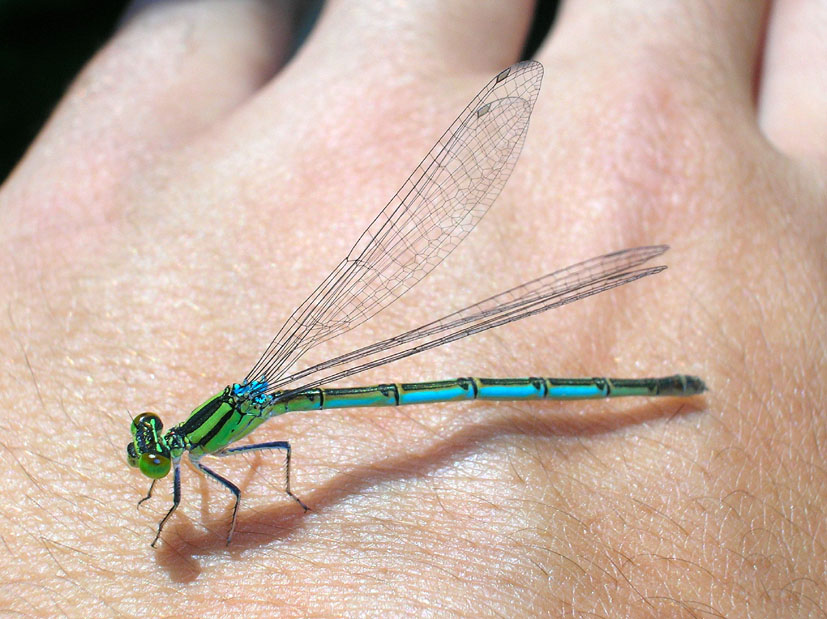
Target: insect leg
148,494
271,445
228,485
176,498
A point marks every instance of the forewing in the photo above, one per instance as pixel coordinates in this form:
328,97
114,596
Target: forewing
436,208
561,287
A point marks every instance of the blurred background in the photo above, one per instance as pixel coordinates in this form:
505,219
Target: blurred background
44,43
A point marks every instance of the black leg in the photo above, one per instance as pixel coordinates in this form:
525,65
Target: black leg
272,445
229,486
176,499
148,494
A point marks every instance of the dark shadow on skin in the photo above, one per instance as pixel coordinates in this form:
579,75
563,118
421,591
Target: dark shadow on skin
176,553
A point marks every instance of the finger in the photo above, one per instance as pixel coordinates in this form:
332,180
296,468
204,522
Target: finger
793,98
711,48
173,69
340,95
634,92
468,35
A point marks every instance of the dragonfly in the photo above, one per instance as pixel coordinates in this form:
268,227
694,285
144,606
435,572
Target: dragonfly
434,210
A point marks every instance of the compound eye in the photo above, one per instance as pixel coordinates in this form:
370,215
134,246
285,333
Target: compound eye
154,466
147,420
131,455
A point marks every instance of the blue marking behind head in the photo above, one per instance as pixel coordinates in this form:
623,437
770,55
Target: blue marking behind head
254,389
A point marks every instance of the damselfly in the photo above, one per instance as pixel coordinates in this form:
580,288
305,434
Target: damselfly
435,209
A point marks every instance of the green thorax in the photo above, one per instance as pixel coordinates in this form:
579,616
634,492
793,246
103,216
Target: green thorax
231,415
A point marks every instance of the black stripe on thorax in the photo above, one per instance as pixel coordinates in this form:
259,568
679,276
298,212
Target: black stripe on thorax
217,427
199,417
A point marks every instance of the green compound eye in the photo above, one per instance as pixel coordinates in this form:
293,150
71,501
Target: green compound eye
154,466
131,455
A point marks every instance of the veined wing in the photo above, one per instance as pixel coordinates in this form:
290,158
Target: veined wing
553,290
429,216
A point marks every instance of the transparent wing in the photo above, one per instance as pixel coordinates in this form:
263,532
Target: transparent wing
428,217
553,290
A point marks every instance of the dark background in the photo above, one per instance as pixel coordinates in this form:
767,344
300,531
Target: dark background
44,44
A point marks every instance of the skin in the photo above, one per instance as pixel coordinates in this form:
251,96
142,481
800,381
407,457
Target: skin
190,190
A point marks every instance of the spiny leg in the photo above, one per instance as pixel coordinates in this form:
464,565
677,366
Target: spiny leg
271,445
176,499
228,485
148,494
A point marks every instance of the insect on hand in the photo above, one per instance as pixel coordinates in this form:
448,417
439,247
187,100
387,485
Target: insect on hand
436,208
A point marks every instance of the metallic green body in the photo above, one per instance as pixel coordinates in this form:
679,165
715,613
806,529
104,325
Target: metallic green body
226,417
432,212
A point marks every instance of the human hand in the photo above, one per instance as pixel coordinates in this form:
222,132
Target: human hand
183,200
